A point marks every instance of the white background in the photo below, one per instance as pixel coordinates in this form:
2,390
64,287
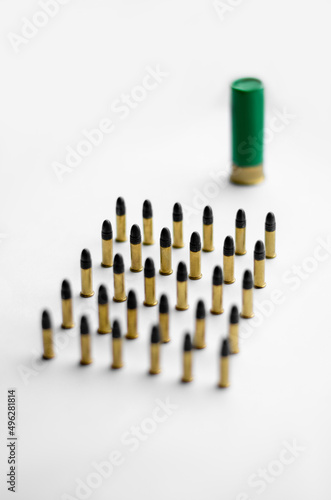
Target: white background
168,149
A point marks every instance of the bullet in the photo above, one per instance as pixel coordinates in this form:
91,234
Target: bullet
135,247
148,223
270,236
182,304
85,342
259,265
47,331
107,244
200,326
103,310
177,220
165,252
247,297
117,346
149,274
155,351
240,232
234,330
86,273
217,294
207,220
120,220
119,281
224,365
66,299
195,257
132,316
164,319
187,359
228,260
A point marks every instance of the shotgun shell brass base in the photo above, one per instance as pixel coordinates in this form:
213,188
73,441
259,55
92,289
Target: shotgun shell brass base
132,324
224,372
195,265
217,300
104,323
182,304
121,228
67,316
240,241
87,287
270,244
85,342
48,344
107,253
155,359
247,304
117,354
208,238
178,234
148,231
119,288
150,299
187,367
259,269
247,175
228,267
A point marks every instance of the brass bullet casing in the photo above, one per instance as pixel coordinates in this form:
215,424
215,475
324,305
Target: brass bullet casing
148,223
103,311
165,252
195,257
200,326
119,280
164,319
86,274
107,244
270,236
217,294
149,274
187,359
132,319
228,260
207,227
177,221
66,299
135,246
259,265
47,331
85,342
240,232
234,330
224,380
155,351
120,220
182,304
247,295
117,346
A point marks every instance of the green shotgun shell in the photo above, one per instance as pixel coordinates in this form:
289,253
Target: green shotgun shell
247,112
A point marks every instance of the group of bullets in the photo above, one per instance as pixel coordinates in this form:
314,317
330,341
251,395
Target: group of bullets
160,332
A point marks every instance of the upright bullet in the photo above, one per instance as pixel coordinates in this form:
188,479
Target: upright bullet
200,326
107,244
135,247
149,274
240,232
148,223
164,318
165,252
155,351
228,260
247,297
67,316
177,218
132,316
182,304
120,220
224,365
234,330
86,273
270,236
119,280
47,331
259,265
103,310
217,294
207,219
187,359
195,257
117,346
85,342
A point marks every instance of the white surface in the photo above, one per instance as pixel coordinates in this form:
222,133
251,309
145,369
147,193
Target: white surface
63,81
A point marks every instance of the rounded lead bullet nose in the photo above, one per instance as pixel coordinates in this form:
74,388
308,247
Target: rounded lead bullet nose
259,252
234,315
147,210
225,350
155,336
164,305
149,269
102,295
135,235
132,300
187,343
208,215
65,290
181,272
201,311
118,264
195,242
241,218
107,230
46,320
120,206
165,238
177,213
228,248
84,326
85,259
247,280
270,222
217,276
116,330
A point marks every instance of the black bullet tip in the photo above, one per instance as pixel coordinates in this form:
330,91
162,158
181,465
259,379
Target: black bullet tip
270,222
118,264
147,210
259,252
107,230
234,315
164,305
132,300
208,216
65,290
181,272
116,330
195,242
85,259
177,213
201,311
165,238
247,280
120,206
102,295
241,218
135,235
149,269
228,248
84,326
187,343
217,276
46,323
155,336
225,350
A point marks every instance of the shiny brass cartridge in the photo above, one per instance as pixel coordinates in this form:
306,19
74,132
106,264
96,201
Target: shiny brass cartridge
117,346
149,274
247,295
240,232
195,257
200,326
182,304
86,274
148,223
135,247
259,265
177,219
217,294
119,279
47,331
155,351
187,359
164,319
85,342
165,252
132,310
207,220
67,316
224,365
103,310
270,236
234,330
228,260
121,220
107,244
